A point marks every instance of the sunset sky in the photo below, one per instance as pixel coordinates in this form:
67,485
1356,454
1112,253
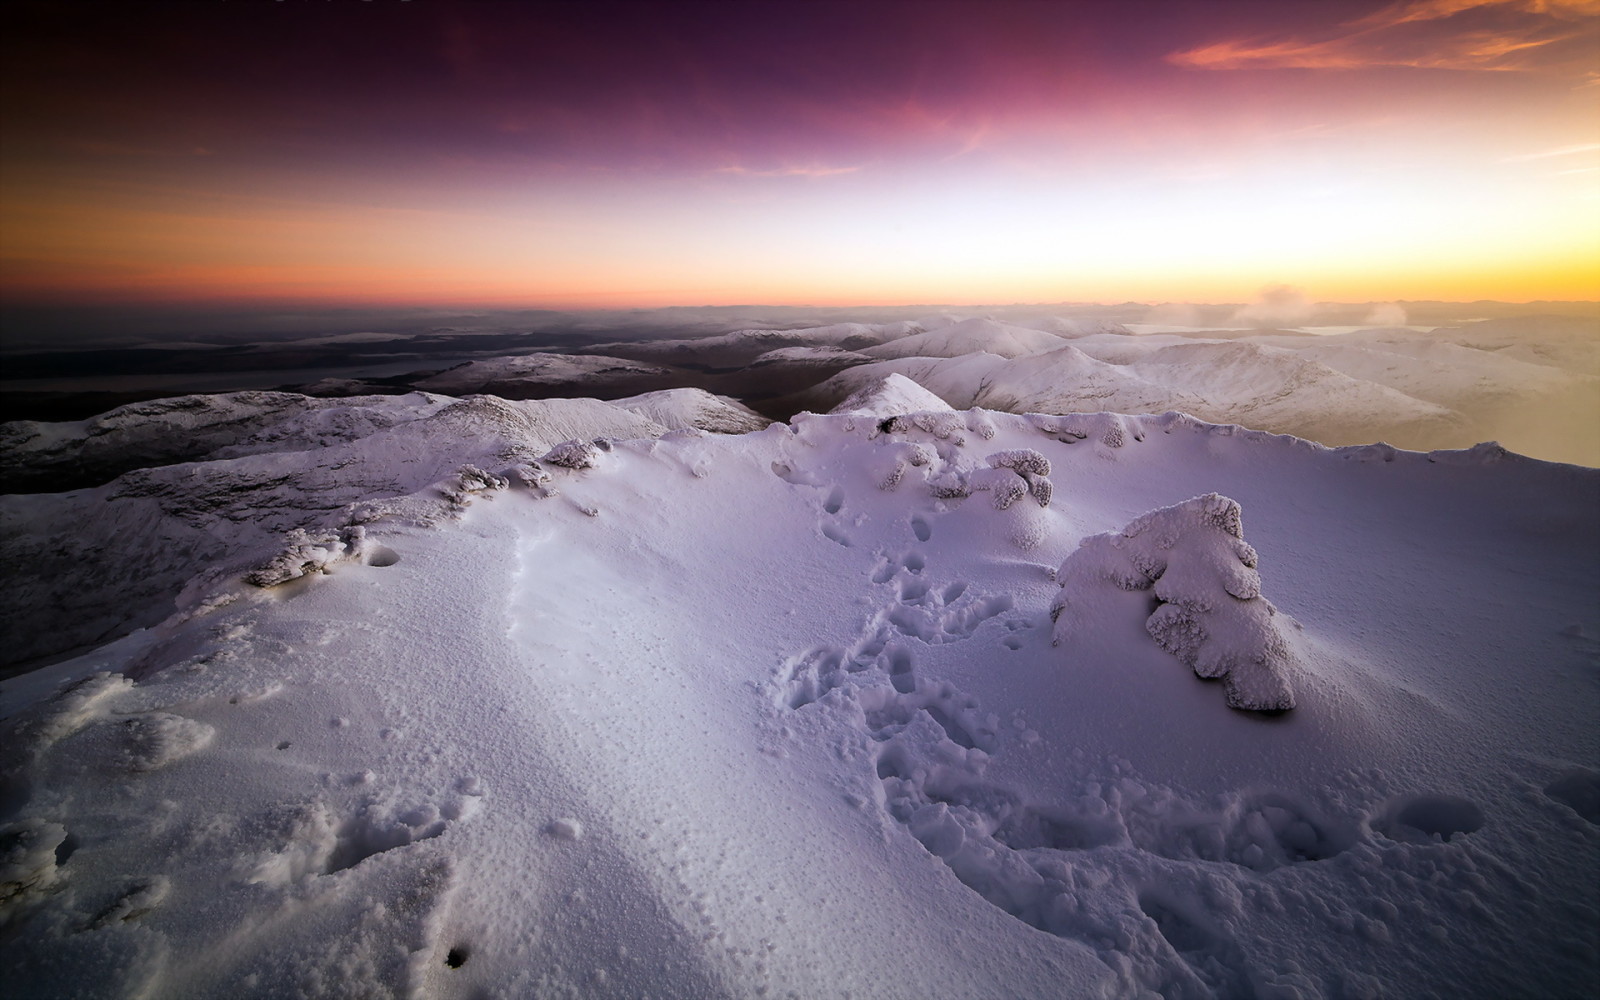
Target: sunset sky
617,154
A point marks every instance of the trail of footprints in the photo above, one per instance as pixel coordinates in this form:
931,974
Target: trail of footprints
933,744
106,724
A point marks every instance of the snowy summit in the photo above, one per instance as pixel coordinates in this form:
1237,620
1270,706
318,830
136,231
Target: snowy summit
420,696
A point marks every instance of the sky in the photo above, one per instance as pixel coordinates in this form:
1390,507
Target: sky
617,155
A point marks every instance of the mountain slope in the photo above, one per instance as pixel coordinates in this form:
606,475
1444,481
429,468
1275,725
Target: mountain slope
699,716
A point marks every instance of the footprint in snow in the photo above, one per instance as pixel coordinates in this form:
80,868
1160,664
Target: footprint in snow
1428,818
1578,790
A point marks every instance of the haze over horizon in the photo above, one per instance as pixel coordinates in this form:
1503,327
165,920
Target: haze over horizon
598,156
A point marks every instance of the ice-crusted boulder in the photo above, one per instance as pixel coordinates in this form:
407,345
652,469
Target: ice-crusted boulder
305,552
902,457
1212,616
576,454
1011,475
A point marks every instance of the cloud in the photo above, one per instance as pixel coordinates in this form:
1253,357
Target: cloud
1585,147
791,171
1386,314
1275,306
1488,35
1176,314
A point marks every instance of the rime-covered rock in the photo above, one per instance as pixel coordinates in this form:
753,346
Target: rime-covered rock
1212,616
902,458
574,455
303,553
1013,475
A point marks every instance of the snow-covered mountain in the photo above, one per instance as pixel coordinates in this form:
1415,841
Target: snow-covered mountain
530,375
741,347
969,336
682,409
1227,382
1414,389
418,696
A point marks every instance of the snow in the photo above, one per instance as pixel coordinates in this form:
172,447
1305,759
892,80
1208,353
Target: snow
678,409
1193,557
523,372
746,346
969,336
85,565
891,395
819,356
734,715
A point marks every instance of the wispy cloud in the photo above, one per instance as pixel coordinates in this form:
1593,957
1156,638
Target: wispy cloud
1487,35
1584,147
788,171
1275,306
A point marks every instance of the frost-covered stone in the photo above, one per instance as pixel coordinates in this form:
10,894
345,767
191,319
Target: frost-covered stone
946,424
472,479
1013,475
949,485
1025,461
1004,485
535,477
1212,615
303,553
980,423
903,457
470,482
575,454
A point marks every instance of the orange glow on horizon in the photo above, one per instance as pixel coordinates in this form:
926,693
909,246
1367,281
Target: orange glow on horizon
979,165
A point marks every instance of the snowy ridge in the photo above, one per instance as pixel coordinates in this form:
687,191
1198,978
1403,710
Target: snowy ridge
678,409
745,346
1222,383
516,374
969,336
890,396
547,726
87,565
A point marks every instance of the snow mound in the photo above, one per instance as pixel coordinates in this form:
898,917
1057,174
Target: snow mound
678,409
969,336
1211,616
891,395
